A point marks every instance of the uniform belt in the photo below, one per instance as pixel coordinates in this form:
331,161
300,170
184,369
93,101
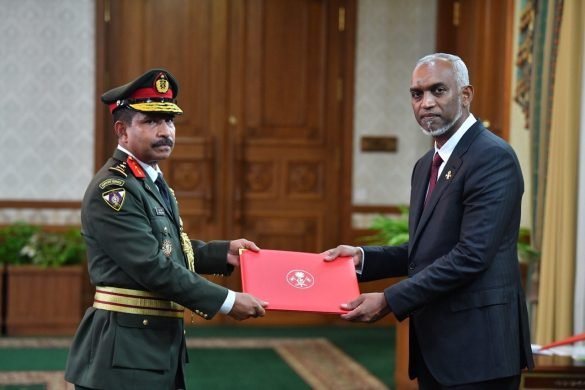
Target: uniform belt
125,300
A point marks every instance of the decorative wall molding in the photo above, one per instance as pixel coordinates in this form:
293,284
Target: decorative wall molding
47,105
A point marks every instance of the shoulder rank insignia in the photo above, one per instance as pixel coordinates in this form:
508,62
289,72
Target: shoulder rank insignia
120,168
114,198
135,168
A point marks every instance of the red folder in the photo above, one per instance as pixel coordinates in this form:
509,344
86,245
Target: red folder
299,281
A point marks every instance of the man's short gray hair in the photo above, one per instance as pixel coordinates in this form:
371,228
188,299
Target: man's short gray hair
459,67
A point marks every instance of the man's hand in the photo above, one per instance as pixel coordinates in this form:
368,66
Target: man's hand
233,256
247,306
368,307
344,250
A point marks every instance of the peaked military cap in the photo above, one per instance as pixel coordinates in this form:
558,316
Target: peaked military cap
154,91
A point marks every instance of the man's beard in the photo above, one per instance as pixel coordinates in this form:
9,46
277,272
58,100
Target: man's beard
445,128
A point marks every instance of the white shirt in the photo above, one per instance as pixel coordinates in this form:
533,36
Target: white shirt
447,149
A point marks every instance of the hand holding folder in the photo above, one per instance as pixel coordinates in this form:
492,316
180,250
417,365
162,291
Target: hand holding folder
299,281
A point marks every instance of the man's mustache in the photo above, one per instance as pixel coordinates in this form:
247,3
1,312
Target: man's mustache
163,142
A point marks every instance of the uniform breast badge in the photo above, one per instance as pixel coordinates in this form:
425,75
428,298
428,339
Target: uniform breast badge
167,247
114,198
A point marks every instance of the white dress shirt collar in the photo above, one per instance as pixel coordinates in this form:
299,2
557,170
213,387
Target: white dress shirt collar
447,149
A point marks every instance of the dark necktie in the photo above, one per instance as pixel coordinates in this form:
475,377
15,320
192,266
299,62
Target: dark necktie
162,187
437,161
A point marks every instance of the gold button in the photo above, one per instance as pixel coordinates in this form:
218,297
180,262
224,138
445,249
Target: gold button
145,322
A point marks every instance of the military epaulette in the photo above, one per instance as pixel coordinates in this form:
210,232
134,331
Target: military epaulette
120,168
135,168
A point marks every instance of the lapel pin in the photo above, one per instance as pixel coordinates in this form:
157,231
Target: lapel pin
449,175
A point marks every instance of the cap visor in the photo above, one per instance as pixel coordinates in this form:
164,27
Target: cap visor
157,107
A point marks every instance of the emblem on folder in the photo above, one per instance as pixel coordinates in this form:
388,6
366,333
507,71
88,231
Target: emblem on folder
300,279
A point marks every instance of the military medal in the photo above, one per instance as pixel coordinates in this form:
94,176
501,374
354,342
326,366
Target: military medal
167,247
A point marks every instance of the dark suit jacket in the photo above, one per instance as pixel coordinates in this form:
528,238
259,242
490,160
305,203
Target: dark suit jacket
463,293
114,350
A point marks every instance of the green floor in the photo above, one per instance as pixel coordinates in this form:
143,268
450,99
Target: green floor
372,347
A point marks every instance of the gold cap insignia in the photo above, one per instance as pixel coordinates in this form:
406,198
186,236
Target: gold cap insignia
161,84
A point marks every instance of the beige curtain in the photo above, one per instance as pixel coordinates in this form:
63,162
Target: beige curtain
554,318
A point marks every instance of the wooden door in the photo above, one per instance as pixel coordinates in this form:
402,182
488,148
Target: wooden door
258,151
285,122
480,32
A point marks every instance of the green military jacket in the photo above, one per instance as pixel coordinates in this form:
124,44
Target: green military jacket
133,242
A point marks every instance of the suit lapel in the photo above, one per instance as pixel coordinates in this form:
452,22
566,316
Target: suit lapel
421,213
419,189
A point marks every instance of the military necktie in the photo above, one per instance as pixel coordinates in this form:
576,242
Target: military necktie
162,187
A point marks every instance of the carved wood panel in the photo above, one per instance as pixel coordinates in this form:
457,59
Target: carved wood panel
282,97
480,32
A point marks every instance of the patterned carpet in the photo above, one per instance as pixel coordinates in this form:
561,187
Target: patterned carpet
316,360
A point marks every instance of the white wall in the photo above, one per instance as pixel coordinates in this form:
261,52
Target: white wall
392,35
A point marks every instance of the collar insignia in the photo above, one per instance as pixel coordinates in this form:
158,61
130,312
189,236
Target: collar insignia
135,168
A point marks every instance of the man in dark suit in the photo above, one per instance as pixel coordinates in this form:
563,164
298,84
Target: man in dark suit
463,295
139,258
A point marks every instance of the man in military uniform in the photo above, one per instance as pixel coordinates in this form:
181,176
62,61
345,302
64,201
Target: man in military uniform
140,259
